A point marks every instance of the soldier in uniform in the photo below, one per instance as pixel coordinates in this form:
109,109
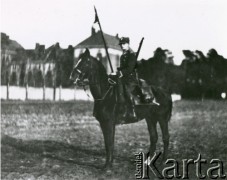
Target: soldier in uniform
128,86
128,78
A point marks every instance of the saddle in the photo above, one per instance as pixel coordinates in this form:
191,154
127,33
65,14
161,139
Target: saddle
142,94
147,95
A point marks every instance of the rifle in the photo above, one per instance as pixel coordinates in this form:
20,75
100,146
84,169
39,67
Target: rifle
137,55
140,45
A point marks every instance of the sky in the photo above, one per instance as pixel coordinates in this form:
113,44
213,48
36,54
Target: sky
170,24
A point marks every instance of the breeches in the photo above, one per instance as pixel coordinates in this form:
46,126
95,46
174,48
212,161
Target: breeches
130,89
126,92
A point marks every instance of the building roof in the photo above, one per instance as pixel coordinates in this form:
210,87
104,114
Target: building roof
30,53
96,41
39,53
8,44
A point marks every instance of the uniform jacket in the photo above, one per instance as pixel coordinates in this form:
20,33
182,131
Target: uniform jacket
127,67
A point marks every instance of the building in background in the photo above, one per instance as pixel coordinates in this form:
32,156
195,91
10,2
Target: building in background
97,49
12,59
36,67
199,76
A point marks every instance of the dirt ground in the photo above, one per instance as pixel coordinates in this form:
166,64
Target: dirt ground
63,141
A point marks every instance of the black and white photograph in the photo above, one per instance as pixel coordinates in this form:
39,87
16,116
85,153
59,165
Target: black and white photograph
113,90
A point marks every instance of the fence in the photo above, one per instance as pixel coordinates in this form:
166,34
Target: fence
65,94
32,93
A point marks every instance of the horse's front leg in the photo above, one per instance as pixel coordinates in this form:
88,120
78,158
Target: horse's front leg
108,129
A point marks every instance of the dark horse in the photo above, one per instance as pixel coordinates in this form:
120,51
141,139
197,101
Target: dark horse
105,105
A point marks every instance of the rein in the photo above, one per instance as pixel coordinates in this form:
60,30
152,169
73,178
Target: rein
101,99
86,91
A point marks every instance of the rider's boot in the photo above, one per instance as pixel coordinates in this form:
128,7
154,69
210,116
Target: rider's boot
130,113
139,94
152,99
143,99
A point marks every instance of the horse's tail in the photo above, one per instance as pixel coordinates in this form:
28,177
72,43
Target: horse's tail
164,97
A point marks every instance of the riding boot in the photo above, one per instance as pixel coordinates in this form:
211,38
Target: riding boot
130,113
144,98
139,94
151,99
133,113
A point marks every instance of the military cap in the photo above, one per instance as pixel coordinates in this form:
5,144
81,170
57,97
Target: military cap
123,40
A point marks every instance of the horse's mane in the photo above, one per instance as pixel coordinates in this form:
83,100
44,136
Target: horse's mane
102,70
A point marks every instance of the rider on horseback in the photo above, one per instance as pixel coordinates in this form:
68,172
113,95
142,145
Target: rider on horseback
128,82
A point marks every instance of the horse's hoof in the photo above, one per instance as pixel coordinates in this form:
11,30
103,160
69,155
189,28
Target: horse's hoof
163,161
107,169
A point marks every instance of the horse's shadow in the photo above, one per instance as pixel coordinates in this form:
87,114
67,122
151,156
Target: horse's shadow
61,151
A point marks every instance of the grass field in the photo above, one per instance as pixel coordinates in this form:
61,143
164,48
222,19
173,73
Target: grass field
63,140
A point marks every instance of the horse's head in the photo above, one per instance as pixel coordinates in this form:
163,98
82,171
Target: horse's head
80,72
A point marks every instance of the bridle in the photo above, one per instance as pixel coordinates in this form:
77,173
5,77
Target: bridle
81,74
80,80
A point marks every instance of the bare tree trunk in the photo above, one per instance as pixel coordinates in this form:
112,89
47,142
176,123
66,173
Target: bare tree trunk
54,82
44,86
44,91
26,91
60,87
74,93
8,73
44,82
54,93
18,78
7,91
54,89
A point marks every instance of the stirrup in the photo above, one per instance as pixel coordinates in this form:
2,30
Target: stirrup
155,102
111,81
152,101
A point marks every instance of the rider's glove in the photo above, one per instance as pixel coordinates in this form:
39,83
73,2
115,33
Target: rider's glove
119,74
113,74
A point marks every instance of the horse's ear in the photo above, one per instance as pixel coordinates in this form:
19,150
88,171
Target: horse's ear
87,52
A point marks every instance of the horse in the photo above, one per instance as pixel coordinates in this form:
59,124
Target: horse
89,69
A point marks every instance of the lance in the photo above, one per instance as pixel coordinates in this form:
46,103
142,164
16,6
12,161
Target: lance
107,54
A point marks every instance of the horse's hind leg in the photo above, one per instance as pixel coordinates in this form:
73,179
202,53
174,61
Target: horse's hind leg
165,137
152,128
